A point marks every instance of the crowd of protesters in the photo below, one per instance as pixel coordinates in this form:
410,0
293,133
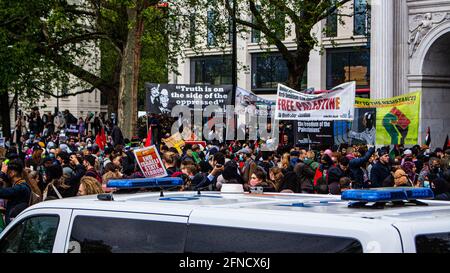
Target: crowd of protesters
60,156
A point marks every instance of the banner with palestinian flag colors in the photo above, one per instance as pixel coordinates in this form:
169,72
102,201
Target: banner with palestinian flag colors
397,118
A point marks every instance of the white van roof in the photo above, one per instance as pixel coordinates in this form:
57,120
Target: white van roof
300,205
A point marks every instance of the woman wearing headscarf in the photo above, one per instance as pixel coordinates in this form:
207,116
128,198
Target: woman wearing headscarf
410,169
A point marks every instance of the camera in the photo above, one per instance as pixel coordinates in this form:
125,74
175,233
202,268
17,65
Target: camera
256,190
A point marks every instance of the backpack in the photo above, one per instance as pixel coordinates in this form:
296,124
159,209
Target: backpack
321,182
304,175
312,164
34,197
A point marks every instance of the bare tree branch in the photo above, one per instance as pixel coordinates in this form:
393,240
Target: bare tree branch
89,90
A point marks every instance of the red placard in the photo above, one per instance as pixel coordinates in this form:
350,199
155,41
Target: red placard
150,162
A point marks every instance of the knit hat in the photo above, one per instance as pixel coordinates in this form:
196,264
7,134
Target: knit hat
382,152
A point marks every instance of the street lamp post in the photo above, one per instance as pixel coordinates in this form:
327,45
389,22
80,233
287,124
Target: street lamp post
234,54
234,62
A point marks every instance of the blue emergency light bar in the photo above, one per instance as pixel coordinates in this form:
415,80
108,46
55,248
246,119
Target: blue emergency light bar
145,183
387,194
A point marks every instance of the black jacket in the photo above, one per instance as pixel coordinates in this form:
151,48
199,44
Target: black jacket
334,176
379,173
356,173
291,182
206,184
305,175
18,197
117,136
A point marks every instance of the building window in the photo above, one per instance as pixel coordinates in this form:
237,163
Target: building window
348,64
230,30
192,30
360,18
211,70
256,34
103,99
211,19
65,91
269,69
331,24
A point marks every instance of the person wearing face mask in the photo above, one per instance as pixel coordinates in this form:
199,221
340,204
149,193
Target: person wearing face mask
249,163
259,179
18,194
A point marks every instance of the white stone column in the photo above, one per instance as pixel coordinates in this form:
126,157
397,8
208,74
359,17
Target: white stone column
382,49
401,53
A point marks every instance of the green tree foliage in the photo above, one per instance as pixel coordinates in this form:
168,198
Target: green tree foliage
275,20
50,45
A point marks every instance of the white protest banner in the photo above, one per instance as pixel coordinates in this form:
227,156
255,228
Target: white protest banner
250,105
150,162
338,104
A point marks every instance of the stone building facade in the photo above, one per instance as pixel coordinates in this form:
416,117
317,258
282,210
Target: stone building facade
410,52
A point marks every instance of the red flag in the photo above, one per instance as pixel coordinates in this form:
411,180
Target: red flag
100,139
148,141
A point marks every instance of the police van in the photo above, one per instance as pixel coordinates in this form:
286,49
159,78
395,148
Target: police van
396,220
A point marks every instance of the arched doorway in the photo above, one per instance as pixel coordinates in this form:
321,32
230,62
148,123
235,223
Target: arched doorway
436,90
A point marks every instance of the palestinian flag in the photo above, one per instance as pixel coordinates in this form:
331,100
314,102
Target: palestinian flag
428,137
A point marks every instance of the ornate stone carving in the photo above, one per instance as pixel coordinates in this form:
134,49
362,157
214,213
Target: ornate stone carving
420,25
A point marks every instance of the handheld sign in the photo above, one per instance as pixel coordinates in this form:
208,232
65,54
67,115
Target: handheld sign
150,162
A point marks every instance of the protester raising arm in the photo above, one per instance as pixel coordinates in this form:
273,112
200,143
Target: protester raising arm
74,181
211,178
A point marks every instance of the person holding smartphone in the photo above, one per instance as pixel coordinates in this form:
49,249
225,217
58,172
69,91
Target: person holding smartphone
210,180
